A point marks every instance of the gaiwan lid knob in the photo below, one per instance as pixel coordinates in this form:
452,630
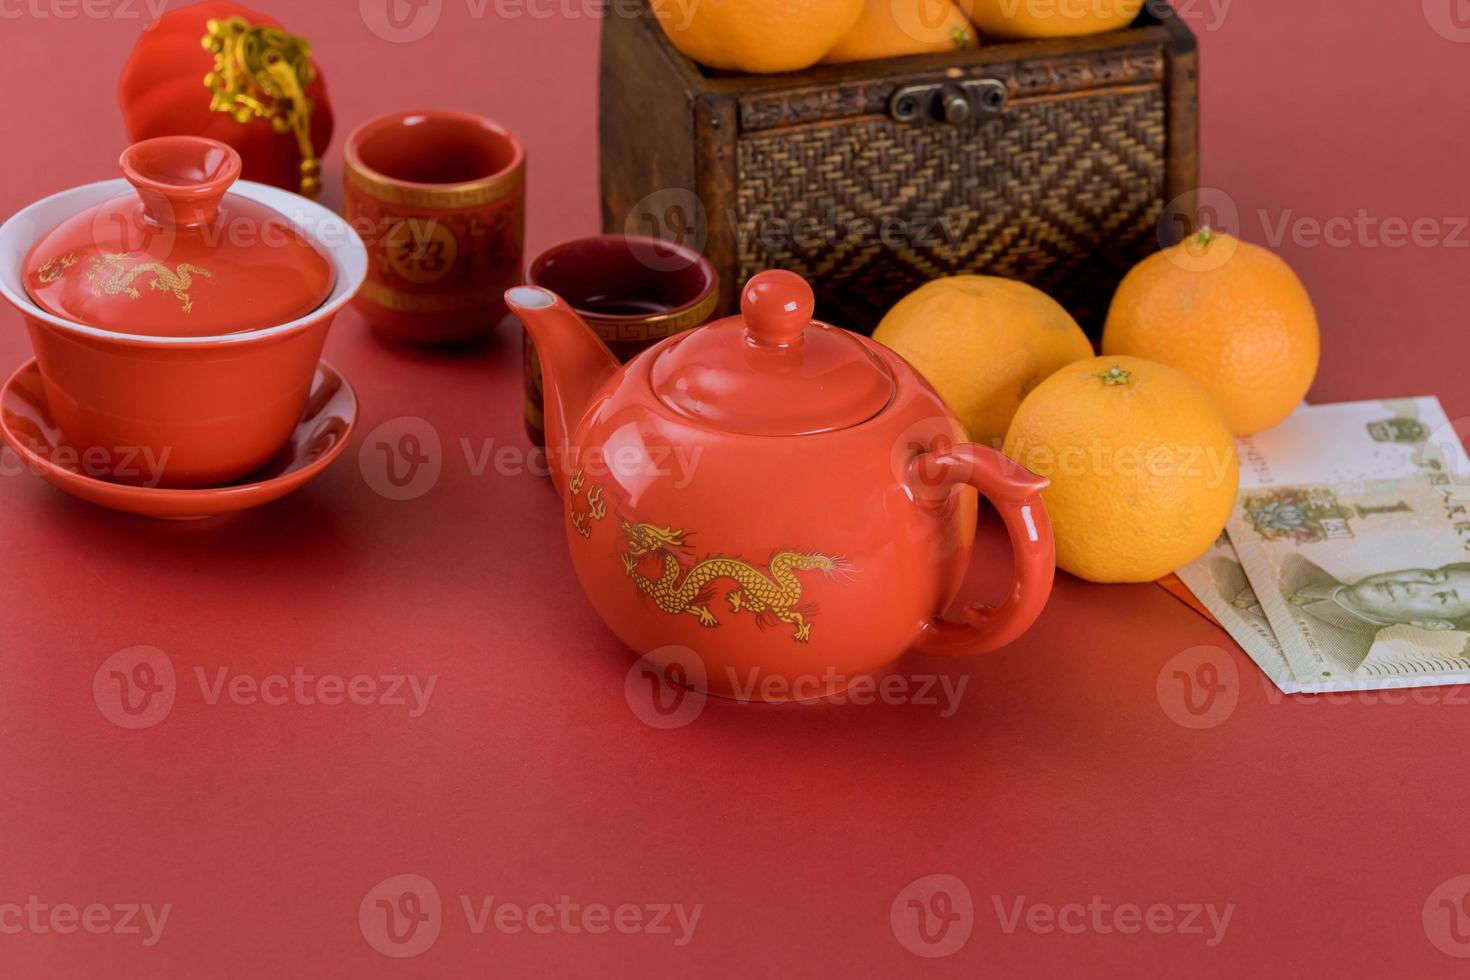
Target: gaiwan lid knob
179,256
773,370
181,182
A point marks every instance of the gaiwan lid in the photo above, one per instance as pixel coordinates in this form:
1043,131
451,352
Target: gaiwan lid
772,371
180,257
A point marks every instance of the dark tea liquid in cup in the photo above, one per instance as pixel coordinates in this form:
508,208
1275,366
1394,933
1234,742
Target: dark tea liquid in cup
633,291
614,306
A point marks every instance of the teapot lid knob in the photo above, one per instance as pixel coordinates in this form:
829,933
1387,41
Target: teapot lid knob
777,306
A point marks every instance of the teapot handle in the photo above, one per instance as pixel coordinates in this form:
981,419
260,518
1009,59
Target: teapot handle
1016,493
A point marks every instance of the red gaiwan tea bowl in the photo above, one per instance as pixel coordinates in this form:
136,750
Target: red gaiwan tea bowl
178,313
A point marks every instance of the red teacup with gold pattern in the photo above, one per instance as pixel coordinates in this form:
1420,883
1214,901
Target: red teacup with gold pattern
440,199
632,291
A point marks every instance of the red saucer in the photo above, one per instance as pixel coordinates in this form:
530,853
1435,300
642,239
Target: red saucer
319,437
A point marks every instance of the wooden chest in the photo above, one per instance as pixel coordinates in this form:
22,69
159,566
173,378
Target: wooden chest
1057,162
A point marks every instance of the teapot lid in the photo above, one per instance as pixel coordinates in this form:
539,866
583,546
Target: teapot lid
772,371
179,257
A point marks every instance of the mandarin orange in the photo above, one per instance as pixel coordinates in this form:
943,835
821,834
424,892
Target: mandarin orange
757,36
983,342
1143,468
889,28
1232,315
1050,18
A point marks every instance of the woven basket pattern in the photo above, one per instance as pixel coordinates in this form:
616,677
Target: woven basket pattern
1061,192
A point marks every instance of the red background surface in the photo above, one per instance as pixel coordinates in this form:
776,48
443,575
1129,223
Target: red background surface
1061,775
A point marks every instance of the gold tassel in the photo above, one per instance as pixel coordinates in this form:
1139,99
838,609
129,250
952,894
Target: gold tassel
262,73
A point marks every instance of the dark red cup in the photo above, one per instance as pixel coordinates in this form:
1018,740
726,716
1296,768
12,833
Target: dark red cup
440,199
633,291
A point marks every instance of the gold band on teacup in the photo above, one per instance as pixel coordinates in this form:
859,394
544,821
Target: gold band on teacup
400,302
450,197
653,327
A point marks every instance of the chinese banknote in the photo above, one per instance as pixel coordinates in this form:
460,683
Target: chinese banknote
1346,564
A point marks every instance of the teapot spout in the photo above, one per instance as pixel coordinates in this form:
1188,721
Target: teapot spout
575,364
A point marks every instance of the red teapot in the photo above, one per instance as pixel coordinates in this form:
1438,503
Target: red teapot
768,497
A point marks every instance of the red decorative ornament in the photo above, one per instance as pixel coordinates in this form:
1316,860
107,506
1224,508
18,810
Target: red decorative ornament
221,70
